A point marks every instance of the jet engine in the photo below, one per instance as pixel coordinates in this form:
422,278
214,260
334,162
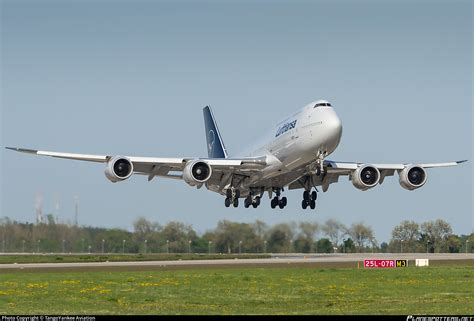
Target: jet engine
365,177
197,172
412,177
118,169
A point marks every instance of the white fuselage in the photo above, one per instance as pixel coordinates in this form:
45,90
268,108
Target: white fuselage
295,143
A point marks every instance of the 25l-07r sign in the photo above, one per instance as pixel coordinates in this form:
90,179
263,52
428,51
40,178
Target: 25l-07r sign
383,264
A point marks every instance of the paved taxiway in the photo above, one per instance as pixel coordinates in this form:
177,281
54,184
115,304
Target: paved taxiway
335,260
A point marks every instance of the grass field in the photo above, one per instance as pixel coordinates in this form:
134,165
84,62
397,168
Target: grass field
292,290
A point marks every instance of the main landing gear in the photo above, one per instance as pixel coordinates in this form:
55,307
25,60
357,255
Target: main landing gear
309,200
254,199
277,201
251,200
232,197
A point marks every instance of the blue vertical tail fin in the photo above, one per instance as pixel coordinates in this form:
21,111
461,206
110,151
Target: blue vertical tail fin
215,145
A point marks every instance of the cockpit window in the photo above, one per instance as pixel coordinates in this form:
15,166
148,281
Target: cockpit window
322,104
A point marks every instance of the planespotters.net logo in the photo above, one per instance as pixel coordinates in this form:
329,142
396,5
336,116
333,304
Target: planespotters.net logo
439,318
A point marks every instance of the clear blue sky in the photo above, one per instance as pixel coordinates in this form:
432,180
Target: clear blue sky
132,77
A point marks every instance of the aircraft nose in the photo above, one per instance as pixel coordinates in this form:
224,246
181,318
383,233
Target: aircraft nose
335,125
334,128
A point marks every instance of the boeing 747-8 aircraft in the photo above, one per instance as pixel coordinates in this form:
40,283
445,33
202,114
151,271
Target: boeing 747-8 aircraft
293,157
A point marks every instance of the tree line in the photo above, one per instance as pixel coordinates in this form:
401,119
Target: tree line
229,237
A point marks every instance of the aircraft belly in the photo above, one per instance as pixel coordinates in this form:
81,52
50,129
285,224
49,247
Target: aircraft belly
278,181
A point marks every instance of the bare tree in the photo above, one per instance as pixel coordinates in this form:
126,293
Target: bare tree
334,230
260,228
309,229
362,235
305,241
143,228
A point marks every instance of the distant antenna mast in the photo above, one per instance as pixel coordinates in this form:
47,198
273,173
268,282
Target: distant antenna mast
76,209
56,206
39,208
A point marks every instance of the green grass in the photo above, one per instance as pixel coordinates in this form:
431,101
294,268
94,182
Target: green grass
75,258
433,290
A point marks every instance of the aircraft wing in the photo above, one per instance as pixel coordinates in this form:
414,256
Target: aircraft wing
155,166
334,166
336,169
83,157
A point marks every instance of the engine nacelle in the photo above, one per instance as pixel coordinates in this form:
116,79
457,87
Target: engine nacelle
197,172
412,177
365,177
118,169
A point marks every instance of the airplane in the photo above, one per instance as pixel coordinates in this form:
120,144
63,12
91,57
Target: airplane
293,156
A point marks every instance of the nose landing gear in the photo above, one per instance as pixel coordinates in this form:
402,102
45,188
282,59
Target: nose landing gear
320,162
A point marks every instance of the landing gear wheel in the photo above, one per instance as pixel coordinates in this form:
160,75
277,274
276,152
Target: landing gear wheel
227,202
277,201
306,195
254,205
236,202
309,199
257,201
228,193
246,203
274,202
304,204
237,193
280,205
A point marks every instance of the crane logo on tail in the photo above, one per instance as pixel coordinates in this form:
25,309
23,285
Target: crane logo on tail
211,139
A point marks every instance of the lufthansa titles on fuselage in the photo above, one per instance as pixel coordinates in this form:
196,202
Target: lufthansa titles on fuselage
286,127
